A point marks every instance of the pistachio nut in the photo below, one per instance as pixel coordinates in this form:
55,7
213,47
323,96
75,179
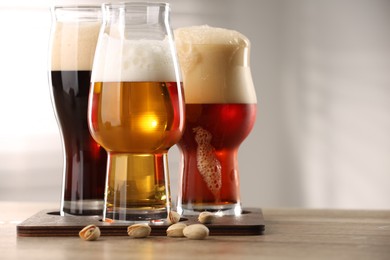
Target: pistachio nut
173,217
196,231
176,230
139,230
206,217
90,233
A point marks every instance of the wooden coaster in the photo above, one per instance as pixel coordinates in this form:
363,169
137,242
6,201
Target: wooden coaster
47,223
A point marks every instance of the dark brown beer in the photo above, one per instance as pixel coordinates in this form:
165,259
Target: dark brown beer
72,46
209,147
85,160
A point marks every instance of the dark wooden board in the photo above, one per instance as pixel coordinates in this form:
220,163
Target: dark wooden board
48,223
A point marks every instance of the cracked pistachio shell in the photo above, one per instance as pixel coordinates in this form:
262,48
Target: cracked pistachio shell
90,233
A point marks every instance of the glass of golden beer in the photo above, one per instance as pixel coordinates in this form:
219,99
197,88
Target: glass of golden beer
75,30
220,112
136,108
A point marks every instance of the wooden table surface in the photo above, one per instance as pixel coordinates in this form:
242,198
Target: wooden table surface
290,234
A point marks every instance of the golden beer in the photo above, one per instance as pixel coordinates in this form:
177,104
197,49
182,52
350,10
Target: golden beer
136,122
136,117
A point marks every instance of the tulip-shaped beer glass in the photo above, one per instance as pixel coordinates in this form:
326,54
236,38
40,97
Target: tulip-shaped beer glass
74,36
136,108
220,113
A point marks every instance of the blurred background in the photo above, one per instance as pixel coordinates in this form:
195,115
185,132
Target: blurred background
322,75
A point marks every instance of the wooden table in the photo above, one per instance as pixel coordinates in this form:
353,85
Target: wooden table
290,234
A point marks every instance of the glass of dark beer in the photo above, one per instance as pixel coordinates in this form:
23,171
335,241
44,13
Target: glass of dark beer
74,36
220,113
136,108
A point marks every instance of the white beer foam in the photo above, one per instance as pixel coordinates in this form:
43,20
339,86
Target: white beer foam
119,60
73,45
205,34
215,65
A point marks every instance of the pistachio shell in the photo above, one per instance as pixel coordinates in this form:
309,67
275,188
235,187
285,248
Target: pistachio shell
176,230
90,233
196,231
139,230
206,217
173,217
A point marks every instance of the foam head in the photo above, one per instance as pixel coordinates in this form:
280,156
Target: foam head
205,34
73,45
121,60
215,65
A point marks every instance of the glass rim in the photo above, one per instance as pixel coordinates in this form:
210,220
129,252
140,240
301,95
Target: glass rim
76,7
79,12
140,4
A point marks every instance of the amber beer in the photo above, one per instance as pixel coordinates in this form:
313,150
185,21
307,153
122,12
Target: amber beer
74,37
220,113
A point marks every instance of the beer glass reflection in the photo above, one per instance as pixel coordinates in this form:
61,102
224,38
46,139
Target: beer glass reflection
220,113
136,108
73,40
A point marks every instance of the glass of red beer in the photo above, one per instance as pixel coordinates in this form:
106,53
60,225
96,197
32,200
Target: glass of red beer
74,36
220,113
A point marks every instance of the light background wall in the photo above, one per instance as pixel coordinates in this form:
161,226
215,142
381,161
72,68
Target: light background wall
322,75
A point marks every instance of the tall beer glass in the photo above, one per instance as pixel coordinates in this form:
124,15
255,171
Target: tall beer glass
136,108
220,113
73,40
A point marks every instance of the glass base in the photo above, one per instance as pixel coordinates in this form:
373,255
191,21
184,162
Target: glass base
82,208
135,215
220,210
